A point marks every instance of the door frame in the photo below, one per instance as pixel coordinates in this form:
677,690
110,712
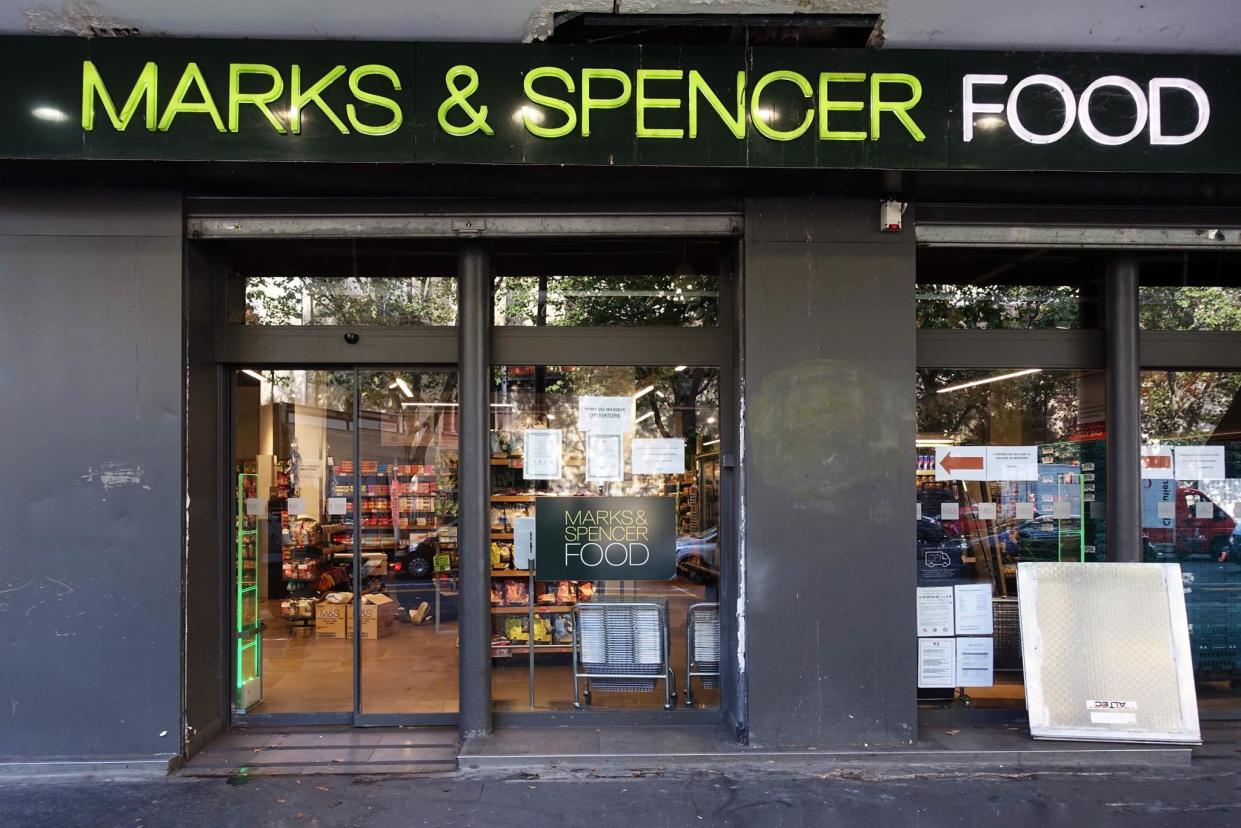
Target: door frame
392,347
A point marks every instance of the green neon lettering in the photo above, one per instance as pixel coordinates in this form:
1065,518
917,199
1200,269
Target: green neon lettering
145,87
192,76
378,100
698,86
589,102
827,105
756,106
299,98
550,102
259,99
644,103
898,108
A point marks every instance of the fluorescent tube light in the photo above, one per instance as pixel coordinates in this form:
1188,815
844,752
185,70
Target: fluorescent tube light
986,380
680,368
710,443
645,416
643,392
403,385
449,405
254,374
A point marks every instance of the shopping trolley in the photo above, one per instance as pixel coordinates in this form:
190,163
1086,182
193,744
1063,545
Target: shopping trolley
702,648
621,647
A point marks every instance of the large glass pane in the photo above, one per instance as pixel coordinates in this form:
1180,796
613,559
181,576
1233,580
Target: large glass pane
998,288
1191,291
678,404
408,523
353,300
1010,467
608,283
292,431
1191,511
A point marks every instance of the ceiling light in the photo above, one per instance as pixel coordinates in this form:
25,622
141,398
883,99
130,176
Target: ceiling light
710,419
448,405
986,380
644,392
254,374
645,416
403,385
928,442
989,122
710,443
679,368
49,113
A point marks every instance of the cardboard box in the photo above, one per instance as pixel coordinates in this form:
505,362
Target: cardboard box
378,616
331,620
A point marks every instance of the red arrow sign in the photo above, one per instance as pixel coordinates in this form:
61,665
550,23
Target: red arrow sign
1156,461
951,464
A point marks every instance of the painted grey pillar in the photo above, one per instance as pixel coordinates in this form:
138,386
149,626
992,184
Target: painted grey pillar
474,485
1124,436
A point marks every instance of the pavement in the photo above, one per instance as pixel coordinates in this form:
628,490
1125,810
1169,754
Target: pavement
1205,792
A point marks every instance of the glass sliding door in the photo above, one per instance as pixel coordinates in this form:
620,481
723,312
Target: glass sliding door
345,586
292,432
407,519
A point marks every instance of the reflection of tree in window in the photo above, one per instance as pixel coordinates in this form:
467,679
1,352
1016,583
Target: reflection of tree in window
672,300
1040,408
997,306
331,300
1191,405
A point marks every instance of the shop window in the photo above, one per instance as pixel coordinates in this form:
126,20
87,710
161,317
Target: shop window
1010,467
608,284
1191,512
662,443
340,282
1006,289
1191,292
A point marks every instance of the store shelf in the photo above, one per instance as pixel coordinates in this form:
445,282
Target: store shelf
501,535
512,498
509,573
523,610
523,649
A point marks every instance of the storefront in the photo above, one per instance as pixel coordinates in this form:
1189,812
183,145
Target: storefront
495,385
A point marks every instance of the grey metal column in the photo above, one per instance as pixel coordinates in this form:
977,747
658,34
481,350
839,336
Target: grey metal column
474,485
1124,437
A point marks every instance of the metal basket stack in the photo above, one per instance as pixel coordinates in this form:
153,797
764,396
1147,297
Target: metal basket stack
703,629
622,640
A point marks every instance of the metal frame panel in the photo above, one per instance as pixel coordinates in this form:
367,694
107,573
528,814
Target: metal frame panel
1010,349
464,225
950,234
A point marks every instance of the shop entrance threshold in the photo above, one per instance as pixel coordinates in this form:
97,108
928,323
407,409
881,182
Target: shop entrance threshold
576,747
307,751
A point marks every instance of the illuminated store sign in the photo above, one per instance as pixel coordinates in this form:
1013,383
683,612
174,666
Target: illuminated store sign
499,104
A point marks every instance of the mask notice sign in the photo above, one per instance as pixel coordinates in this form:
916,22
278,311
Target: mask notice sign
605,538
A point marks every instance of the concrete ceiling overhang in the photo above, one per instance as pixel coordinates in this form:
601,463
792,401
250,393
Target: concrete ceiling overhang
1212,26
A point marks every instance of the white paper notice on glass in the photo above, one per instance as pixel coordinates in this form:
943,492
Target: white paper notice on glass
523,542
1024,511
297,506
1062,510
1204,510
975,662
605,415
972,603
336,506
1012,462
605,460
1165,510
986,511
544,450
961,462
934,611
256,507
1199,462
919,510
937,662
949,511
1156,463
658,455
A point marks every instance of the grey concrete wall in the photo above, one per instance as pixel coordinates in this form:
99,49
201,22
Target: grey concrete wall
829,449
91,495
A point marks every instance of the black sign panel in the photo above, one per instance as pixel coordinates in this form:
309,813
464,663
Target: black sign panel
605,538
333,101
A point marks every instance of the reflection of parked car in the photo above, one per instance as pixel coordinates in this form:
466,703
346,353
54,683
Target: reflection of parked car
1186,535
413,564
698,556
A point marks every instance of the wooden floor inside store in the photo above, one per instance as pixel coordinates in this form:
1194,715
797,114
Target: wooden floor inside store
414,670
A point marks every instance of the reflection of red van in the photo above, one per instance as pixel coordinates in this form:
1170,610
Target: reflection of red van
1188,534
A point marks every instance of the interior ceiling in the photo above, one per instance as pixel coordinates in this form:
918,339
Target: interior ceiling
1212,26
